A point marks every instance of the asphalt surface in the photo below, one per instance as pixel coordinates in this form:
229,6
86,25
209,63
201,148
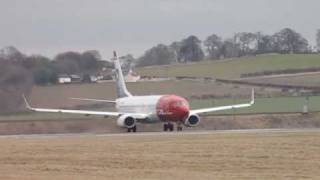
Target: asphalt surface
186,133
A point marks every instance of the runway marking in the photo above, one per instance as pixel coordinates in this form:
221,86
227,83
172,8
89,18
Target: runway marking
248,131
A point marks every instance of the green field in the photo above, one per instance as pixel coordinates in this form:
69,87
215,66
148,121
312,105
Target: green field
263,105
233,68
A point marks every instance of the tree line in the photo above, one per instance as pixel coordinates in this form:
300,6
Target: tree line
18,72
286,41
45,71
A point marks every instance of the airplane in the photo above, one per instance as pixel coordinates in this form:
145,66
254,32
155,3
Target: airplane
168,109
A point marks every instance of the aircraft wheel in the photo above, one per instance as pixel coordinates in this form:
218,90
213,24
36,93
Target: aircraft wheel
171,127
165,127
133,129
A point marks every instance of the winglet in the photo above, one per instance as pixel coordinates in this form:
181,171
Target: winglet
252,97
26,102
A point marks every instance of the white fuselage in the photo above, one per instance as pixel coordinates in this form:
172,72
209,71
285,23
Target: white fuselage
139,104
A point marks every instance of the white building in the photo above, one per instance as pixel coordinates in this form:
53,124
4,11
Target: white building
132,77
64,79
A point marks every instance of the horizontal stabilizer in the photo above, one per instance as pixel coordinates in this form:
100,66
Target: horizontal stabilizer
93,100
84,112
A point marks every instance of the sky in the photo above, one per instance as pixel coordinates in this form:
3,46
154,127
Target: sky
48,27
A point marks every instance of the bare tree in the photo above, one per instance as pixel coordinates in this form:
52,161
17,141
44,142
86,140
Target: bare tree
14,81
230,48
289,41
68,62
214,44
191,49
264,43
176,46
158,55
89,60
247,43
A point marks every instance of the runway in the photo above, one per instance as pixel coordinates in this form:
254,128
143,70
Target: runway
184,133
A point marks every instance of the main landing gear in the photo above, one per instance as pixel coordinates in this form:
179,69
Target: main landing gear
170,127
133,129
179,126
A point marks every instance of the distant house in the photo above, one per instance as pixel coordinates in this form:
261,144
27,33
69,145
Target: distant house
94,78
64,79
90,78
75,78
132,77
67,79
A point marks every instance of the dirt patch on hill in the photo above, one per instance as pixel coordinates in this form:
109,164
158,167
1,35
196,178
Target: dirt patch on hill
100,125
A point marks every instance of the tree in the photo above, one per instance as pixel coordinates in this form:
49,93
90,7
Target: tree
158,55
175,47
42,69
264,43
289,41
191,50
11,53
214,44
15,80
247,43
68,62
89,60
318,40
75,63
45,76
230,49
36,61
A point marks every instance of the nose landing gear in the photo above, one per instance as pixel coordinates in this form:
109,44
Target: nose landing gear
170,127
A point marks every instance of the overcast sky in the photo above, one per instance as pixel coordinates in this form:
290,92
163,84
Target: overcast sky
132,26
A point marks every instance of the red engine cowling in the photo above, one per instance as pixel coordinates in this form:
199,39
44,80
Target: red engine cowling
192,121
126,121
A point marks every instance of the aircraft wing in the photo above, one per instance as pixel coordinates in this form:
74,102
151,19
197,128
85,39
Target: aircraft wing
84,112
221,108
94,100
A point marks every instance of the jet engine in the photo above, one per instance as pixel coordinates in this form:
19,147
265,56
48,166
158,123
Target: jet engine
126,121
192,121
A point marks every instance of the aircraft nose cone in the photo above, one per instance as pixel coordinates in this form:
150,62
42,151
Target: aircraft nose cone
173,108
183,112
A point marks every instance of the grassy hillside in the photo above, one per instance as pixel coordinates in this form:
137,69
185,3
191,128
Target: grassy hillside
233,68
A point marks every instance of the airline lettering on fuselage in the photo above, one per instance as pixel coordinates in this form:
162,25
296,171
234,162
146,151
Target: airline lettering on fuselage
163,112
